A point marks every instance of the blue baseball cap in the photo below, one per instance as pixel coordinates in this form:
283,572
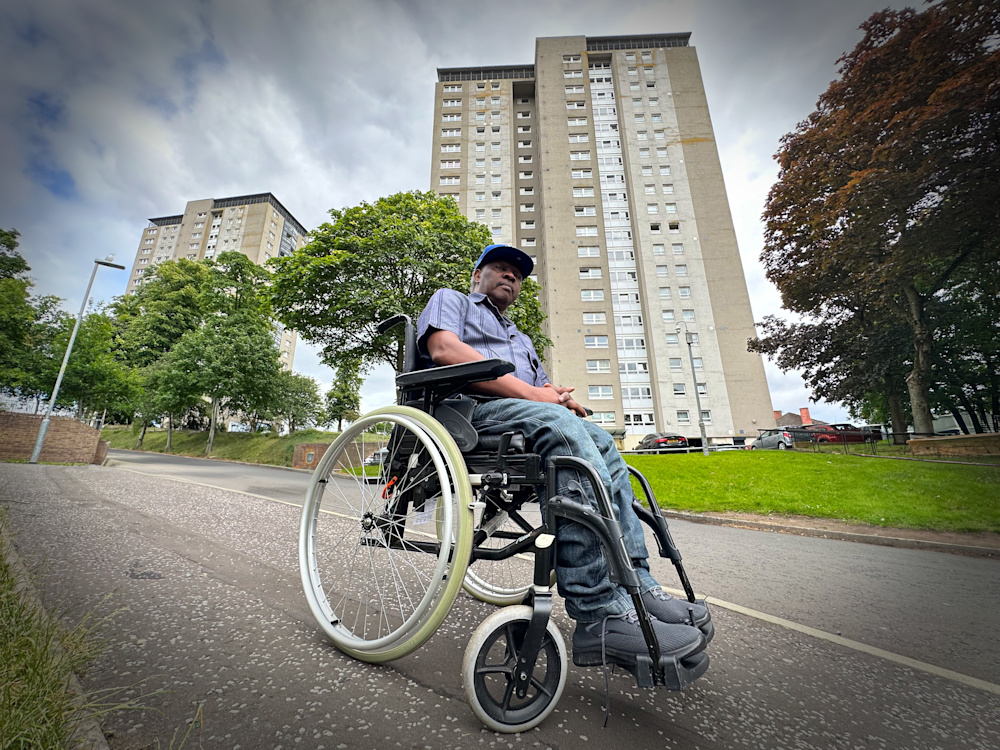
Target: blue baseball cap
506,252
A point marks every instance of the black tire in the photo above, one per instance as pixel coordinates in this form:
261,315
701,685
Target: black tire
487,672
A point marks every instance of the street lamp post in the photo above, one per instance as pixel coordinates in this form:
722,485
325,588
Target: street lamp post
697,396
40,440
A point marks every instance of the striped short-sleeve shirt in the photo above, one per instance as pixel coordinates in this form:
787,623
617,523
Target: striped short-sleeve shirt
477,322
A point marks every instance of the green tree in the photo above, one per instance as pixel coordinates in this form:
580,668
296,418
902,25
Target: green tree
343,400
891,188
374,261
297,400
94,379
171,302
17,316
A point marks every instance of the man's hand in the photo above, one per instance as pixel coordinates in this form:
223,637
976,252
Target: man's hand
566,400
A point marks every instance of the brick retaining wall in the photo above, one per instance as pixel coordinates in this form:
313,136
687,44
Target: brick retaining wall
987,444
67,440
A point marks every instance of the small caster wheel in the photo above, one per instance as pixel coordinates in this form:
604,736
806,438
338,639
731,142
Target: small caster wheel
488,672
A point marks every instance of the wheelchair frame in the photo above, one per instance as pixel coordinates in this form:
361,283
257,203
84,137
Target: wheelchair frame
426,482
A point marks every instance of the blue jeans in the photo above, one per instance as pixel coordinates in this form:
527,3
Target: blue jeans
581,570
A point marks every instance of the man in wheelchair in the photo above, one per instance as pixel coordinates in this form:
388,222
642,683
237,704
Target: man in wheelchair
457,328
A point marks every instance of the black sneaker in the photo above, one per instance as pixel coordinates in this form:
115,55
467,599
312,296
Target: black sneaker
618,640
670,609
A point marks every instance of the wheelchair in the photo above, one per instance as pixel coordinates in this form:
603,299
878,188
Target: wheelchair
384,548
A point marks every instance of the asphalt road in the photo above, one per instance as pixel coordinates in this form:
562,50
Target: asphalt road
212,613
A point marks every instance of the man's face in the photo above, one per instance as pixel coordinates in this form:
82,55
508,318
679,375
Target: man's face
500,281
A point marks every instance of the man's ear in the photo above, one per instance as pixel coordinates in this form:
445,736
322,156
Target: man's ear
475,278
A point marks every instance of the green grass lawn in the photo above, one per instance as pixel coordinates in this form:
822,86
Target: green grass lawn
258,448
907,494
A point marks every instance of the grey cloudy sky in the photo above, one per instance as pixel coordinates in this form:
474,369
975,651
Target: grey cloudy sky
114,111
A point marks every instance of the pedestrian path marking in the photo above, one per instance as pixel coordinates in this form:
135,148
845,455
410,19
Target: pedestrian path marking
822,635
905,661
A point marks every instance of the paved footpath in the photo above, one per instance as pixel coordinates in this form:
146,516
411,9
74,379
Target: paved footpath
210,627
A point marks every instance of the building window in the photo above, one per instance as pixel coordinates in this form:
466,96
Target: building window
528,224
702,389
679,389
451,164
574,88
668,316
450,148
656,116
668,188
453,117
524,159
698,363
572,74
583,192
661,270
480,213
693,339
571,58
595,342
590,273
675,363
598,366
496,231
576,105
588,251
450,88
451,103
451,132
600,392
664,292
582,174
595,318
683,416
591,295
526,175
586,231
603,417
495,179
674,227
659,135
495,146
497,213
453,180
495,195
661,153
652,208
664,169
672,339
647,171
579,156
643,153
681,270
584,211
684,292
641,135
687,316
579,137
654,228
480,196
528,207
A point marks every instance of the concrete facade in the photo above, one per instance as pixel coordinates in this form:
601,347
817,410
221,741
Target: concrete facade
256,225
599,160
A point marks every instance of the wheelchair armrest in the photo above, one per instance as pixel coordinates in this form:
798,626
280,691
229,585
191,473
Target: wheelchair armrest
451,378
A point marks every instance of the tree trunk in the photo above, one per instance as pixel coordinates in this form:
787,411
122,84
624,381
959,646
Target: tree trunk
897,414
982,415
994,397
253,422
918,379
211,426
142,435
970,410
170,433
957,414
340,424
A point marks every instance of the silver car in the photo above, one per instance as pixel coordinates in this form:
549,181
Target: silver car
777,439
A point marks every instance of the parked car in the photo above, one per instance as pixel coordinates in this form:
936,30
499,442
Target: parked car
839,433
377,458
664,441
776,439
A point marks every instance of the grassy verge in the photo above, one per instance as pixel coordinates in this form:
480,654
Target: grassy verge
256,448
906,494
37,657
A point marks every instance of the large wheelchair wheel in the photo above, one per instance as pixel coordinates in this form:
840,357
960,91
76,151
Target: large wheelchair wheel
488,672
500,582
383,549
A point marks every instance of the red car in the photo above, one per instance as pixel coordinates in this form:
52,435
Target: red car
838,433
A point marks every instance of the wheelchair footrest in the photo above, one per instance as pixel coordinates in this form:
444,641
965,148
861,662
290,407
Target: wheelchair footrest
677,673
